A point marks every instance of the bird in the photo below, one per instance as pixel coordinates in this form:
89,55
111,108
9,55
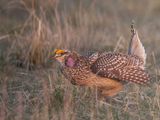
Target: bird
106,71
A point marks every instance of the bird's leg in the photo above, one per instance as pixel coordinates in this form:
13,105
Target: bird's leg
100,97
108,87
106,93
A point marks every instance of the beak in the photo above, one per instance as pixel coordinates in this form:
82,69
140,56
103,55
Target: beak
53,56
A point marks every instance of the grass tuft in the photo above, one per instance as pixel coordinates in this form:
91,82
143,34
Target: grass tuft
31,85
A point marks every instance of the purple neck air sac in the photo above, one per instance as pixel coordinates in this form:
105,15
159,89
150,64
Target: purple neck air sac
70,62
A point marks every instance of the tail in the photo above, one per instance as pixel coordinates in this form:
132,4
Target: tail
135,75
136,47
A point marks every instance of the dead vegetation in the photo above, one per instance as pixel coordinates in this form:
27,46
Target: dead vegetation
31,85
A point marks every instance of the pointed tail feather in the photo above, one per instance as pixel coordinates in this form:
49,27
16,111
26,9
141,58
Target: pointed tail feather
136,47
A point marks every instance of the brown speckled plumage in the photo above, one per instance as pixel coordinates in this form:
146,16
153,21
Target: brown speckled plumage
79,71
105,70
121,67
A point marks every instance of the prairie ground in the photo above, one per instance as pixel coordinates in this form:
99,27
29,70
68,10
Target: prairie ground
31,84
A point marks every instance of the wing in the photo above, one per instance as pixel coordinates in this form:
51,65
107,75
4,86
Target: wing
133,74
112,65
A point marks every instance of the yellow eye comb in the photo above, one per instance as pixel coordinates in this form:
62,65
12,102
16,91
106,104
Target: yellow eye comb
59,51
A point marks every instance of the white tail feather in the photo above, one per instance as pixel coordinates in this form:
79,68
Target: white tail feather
136,47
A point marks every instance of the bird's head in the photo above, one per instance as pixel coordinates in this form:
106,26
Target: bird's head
65,57
60,55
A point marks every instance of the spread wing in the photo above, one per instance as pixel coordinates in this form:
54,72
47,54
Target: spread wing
120,66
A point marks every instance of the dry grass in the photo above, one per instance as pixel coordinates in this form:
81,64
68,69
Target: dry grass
31,85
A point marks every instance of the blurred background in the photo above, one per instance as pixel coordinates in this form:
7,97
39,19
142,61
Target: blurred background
31,85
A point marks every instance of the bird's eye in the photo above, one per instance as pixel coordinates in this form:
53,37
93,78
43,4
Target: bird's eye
63,53
60,54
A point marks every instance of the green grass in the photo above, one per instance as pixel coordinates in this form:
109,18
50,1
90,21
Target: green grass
31,84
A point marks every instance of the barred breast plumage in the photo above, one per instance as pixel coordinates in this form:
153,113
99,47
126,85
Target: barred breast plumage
79,72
